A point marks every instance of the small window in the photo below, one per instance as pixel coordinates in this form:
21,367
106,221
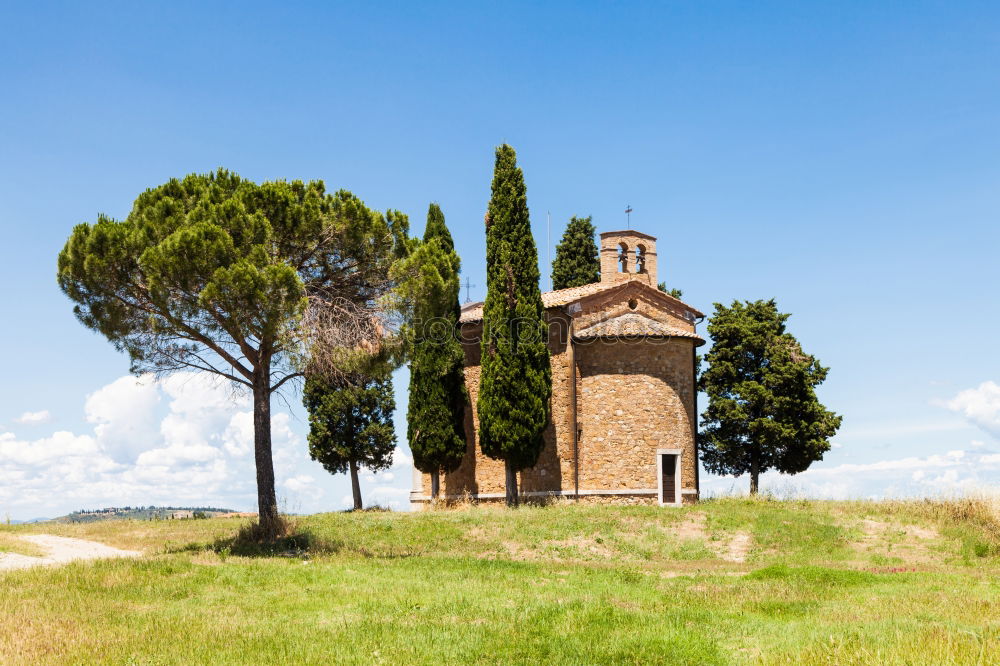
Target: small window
633,304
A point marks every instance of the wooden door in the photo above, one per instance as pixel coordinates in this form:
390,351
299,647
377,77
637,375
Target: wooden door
669,472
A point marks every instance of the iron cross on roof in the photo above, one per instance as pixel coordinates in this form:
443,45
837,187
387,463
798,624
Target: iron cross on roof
468,285
628,215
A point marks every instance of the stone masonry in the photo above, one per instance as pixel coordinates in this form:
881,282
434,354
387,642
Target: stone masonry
623,393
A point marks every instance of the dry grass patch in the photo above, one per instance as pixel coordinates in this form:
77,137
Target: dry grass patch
11,543
738,548
928,530
693,529
694,526
30,639
580,546
893,542
573,549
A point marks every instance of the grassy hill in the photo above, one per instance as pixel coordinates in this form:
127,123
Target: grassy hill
727,581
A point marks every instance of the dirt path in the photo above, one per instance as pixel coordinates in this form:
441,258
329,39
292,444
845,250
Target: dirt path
738,548
734,549
60,550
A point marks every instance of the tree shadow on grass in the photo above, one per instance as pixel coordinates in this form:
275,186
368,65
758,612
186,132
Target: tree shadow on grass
292,541
252,541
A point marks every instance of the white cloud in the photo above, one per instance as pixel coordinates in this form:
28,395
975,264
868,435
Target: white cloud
34,418
895,430
980,405
202,407
401,458
186,439
237,438
181,439
911,462
301,482
60,446
304,485
388,497
955,472
124,414
179,454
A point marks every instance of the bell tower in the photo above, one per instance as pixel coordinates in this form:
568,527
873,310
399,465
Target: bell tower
628,255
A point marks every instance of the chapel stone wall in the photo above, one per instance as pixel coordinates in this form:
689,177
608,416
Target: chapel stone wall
635,398
478,474
623,398
632,398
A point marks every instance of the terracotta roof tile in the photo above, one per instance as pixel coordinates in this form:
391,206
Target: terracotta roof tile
634,325
473,312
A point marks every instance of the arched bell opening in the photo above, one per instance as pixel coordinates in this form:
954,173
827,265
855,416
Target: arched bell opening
623,258
640,258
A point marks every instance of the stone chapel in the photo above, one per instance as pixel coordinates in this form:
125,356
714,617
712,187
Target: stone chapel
623,423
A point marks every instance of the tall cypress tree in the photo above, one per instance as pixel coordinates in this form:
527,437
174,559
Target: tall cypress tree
436,409
576,261
516,378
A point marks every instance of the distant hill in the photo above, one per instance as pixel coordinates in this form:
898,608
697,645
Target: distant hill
142,513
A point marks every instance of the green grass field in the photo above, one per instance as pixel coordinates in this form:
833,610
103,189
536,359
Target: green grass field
725,582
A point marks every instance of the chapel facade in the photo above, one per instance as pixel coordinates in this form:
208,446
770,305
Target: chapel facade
623,406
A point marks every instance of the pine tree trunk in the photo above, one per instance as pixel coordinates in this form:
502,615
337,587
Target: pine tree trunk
435,484
355,486
267,503
512,498
754,473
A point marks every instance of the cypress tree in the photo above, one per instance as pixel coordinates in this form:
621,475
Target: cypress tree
576,261
516,379
436,408
350,422
675,292
762,411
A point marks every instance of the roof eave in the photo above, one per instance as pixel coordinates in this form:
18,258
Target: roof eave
621,285
698,340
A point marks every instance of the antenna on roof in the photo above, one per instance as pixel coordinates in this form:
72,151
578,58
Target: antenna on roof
628,216
468,285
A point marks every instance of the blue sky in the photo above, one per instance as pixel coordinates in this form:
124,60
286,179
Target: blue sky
843,158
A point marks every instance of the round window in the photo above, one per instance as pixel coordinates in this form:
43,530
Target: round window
633,304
